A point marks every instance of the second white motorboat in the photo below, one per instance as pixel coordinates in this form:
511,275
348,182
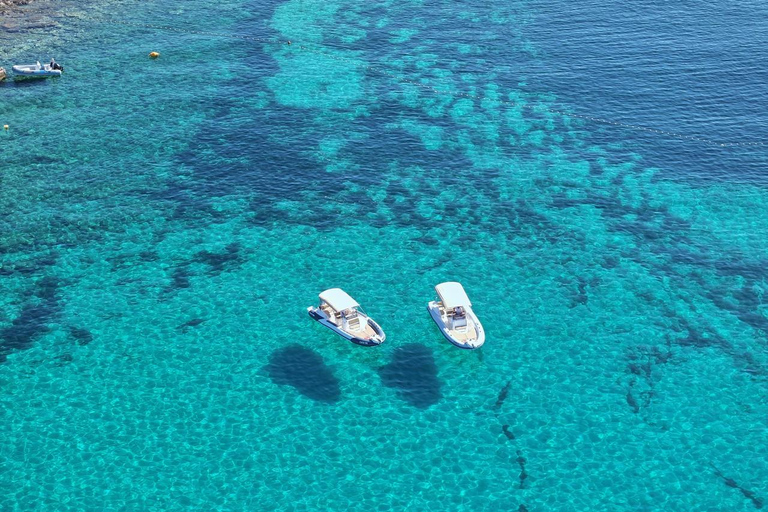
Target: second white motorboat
454,316
38,70
342,314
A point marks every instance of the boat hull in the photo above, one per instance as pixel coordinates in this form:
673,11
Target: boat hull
318,316
434,311
2,74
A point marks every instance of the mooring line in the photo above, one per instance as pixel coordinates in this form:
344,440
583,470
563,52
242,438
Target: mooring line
403,80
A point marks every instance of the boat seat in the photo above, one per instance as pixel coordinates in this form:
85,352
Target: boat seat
354,323
459,322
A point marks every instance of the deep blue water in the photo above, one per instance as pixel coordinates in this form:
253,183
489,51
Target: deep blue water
689,68
165,223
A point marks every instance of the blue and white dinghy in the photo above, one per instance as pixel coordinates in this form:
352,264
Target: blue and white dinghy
454,316
38,70
342,314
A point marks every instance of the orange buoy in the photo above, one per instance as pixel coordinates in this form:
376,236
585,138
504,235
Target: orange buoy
154,55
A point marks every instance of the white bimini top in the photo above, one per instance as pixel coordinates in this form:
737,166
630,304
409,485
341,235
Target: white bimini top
338,299
452,294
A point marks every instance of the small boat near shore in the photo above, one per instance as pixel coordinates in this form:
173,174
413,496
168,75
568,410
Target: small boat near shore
37,70
342,314
454,316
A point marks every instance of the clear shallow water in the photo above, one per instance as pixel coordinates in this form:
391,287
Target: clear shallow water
163,232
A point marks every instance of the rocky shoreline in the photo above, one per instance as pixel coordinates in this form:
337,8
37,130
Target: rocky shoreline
31,29
22,15
7,5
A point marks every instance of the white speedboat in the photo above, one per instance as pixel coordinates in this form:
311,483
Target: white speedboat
342,314
36,70
454,316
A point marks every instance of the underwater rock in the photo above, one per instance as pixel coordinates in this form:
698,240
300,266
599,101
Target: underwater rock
730,482
631,400
220,261
82,336
523,474
31,323
502,396
64,359
179,280
192,323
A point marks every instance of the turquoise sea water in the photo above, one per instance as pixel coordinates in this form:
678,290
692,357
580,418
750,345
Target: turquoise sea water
164,225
